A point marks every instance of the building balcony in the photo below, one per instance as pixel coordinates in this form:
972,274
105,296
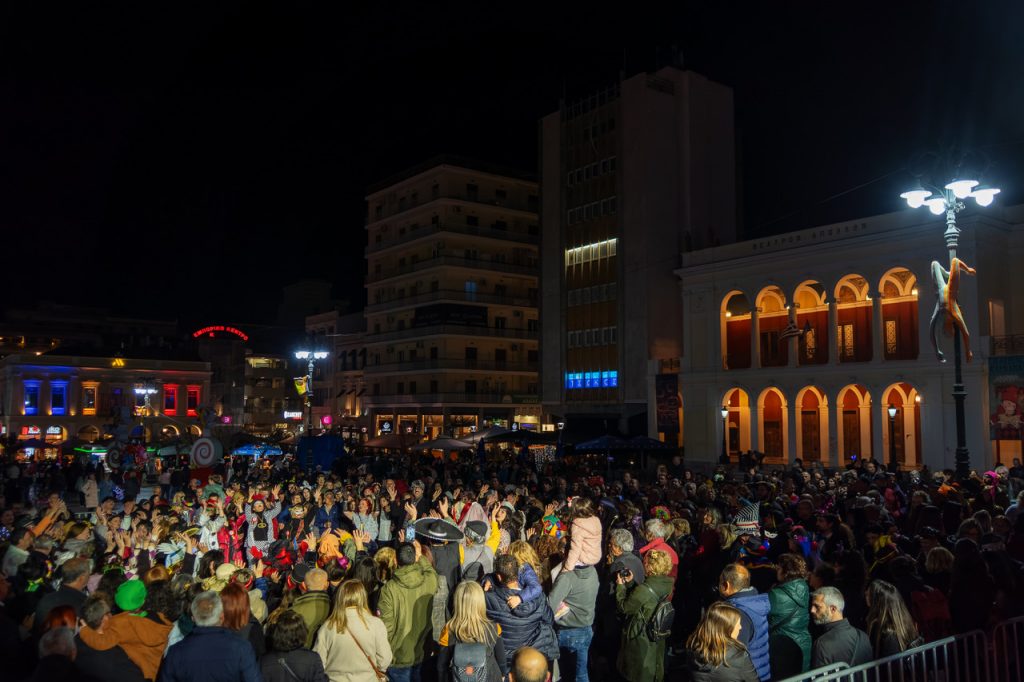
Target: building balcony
491,265
454,228
1006,345
452,295
452,399
451,330
458,364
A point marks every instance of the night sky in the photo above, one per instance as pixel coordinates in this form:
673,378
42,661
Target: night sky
190,162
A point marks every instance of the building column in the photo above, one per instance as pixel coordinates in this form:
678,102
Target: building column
836,418
756,428
833,338
755,339
793,342
790,434
874,435
877,329
909,435
825,433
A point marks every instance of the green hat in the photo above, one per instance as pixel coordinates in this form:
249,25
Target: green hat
130,595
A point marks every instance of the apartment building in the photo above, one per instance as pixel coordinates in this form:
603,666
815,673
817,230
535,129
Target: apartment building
452,331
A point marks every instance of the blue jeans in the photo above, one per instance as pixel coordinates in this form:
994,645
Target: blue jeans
574,647
404,674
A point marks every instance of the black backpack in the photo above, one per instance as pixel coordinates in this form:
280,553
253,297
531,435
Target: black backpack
659,625
469,661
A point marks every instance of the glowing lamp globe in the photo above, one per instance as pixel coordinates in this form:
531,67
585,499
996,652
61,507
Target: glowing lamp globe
936,206
962,188
915,197
985,195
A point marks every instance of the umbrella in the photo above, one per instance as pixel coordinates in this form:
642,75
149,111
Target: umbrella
603,444
391,441
446,444
489,432
645,443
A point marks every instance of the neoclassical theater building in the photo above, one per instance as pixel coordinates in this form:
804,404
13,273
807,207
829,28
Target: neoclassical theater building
809,338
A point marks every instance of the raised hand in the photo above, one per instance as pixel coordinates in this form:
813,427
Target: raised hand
410,510
239,563
258,569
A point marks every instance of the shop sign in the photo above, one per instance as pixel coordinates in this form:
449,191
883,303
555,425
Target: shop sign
387,426
293,415
54,431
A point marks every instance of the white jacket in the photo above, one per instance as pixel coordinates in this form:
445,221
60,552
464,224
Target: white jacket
343,662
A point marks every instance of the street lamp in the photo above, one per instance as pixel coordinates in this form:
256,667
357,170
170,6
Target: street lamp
725,434
892,436
948,200
312,356
146,391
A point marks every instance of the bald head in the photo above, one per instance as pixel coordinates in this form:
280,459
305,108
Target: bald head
316,580
529,665
735,577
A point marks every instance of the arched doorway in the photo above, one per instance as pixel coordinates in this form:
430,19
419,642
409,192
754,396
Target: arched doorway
735,330
812,425
772,318
812,320
853,416
905,428
89,434
773,425
853,319
738,422
899,314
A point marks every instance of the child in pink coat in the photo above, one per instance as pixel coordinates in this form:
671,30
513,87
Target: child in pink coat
584,536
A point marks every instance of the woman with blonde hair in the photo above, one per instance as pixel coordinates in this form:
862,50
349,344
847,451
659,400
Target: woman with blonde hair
352,642
714,653
640,659
387,562
470,640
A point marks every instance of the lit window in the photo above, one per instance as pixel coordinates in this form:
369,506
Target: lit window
89,400
193,401
31,398
58,398
170,400
890,337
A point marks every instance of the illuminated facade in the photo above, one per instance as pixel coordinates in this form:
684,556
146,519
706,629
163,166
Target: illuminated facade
452,287
809,337
56,398
631,176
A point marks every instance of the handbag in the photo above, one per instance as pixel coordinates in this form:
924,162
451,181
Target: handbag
380,676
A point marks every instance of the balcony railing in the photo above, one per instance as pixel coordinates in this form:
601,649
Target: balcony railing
1007,345
452,398
460,364
452,329
454,228
492,265
453,295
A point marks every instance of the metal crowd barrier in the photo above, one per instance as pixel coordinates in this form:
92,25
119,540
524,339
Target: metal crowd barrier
1008,650
964,658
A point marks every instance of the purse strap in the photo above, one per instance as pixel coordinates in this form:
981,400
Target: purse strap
288,668
369,660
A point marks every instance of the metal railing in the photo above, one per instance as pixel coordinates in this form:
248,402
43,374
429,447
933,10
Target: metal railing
1008,650
489,264
451,329
963,658
452,295
460,364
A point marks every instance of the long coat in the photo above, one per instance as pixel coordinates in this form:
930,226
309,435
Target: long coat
640,659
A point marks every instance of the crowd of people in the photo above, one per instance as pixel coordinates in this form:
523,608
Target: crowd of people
520,569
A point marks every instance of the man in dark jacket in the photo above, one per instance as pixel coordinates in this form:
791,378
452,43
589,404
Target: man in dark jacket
734,586
76,574
211,652
109,664
530,623
840,641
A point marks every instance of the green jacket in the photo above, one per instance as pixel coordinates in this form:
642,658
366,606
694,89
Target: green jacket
790,616
406,605
313,607
640,659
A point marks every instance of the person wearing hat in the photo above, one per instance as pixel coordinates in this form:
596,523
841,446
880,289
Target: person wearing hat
476,556
444,538
142,636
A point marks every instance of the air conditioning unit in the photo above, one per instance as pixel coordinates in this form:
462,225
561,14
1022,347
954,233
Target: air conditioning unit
515,346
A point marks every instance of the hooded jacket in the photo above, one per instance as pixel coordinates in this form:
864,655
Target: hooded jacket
529,624
754,609
405,605
142,638
789,618
640,659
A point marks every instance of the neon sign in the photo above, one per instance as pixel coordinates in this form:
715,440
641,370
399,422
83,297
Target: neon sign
220,328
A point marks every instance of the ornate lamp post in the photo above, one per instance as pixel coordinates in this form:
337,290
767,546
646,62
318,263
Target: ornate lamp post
949,200
892,436
312,356
725,434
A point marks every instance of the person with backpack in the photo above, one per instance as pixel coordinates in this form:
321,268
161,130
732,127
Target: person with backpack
352,642
645,609
470,646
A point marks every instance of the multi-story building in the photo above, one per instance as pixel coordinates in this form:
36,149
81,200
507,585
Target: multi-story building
54,398
807,339
452,283
631,177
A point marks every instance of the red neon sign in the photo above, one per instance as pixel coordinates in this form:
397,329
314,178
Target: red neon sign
220,328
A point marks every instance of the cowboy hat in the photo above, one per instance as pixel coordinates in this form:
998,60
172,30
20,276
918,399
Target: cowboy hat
438,530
